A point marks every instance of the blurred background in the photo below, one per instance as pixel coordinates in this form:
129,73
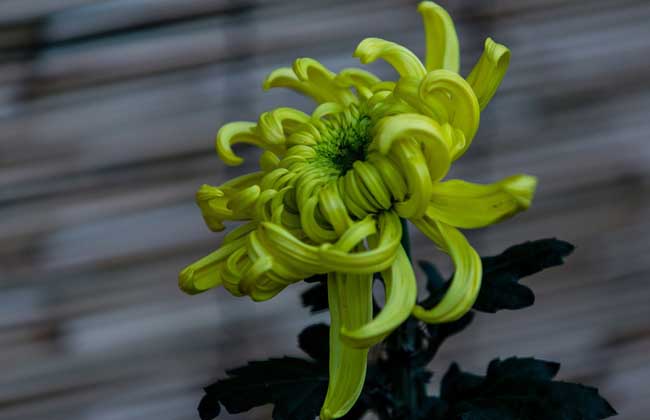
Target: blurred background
108,112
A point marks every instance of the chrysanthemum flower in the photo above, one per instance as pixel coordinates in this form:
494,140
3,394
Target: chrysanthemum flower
333,186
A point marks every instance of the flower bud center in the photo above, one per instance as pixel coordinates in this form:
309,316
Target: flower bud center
344,140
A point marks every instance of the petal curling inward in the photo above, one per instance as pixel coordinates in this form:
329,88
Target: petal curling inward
241,132
305,258
401,58
310,78
453,101
363,81
436,145
488,72
215,202
441,39
275,126
350,304
467,205
466,283
401,295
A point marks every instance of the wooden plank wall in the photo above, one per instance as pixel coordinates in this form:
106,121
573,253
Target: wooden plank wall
108,111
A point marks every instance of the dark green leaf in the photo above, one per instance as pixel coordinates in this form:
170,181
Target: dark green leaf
314,340
519,389
457,385
527,368
295,387
501,273
315,298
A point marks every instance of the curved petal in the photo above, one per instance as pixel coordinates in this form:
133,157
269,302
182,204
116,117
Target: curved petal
275,126
466,205
286,78
426,131
242,132
232,133
205,273
401,295
452,101
322,80
467,280
333,208
413,165
216,202
350,304
310,78
362,80
401,58
488,72
441,38
303,257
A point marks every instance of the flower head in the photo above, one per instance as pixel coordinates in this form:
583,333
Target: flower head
333,186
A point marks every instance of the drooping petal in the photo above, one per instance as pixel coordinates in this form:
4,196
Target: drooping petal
488,72
466,205
401,58
441,38
206,273
350,304
466,282
401,294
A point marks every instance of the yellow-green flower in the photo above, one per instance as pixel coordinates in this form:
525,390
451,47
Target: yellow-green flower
332,186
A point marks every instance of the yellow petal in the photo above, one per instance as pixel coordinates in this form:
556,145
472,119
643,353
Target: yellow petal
466,282
401,58
488,72
441,38
401,294
350,304
466,205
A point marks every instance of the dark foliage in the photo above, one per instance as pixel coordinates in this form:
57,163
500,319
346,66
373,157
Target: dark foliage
517,389
395,387
500,288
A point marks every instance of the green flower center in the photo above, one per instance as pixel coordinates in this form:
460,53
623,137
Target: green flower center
344,140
